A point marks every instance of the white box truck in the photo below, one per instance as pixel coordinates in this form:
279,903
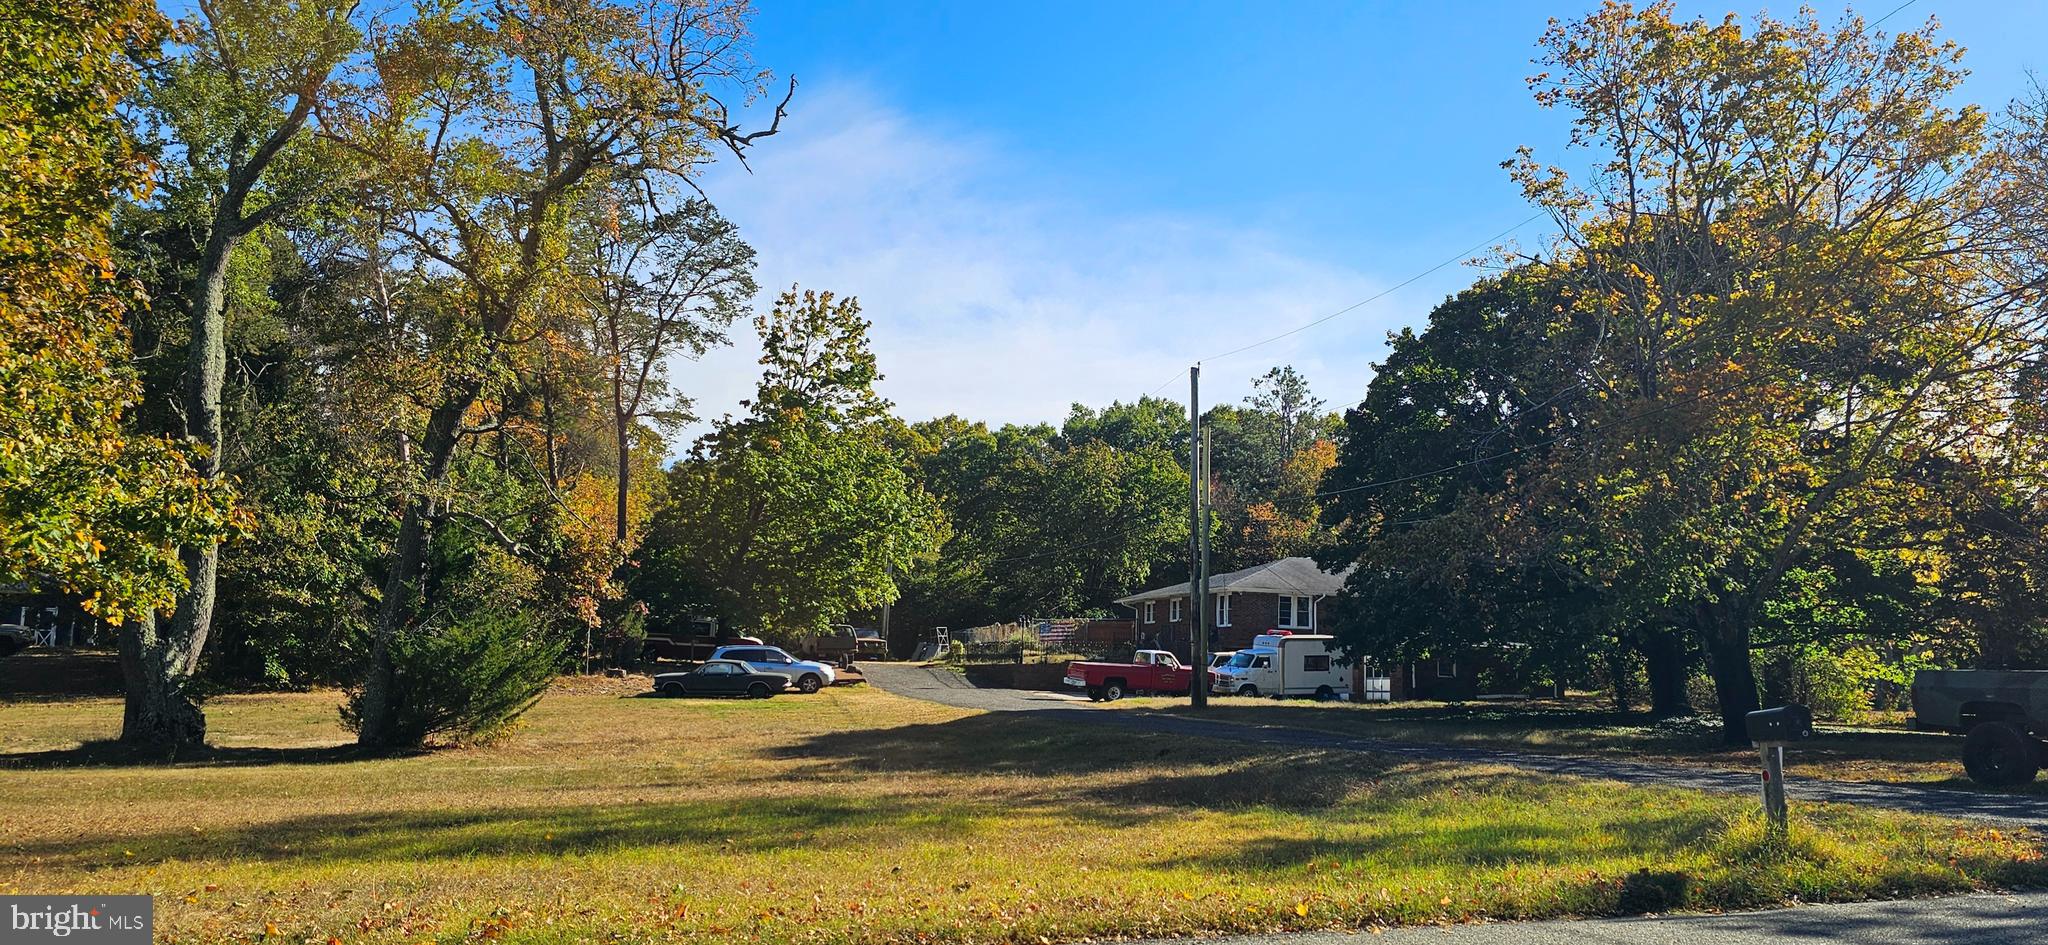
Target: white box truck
1281,664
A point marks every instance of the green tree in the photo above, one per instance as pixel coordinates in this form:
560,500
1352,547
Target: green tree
493,124
657,288
797,512
1799,304
84,504
235,104
1450,417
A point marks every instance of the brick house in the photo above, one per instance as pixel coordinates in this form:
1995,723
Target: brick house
1279,595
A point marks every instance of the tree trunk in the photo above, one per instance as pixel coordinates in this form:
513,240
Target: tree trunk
1667,662
159,711
625,486
158,660
1725,635
1620,674
376,718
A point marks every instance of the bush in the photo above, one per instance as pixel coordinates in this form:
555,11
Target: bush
1815,677
465,682
1699,690
625,636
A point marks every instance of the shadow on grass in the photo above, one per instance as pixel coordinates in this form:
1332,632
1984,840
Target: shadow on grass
567,830
119,754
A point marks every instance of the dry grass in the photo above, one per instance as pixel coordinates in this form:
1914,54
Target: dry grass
856,816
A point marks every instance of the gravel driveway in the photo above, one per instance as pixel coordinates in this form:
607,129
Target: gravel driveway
939,685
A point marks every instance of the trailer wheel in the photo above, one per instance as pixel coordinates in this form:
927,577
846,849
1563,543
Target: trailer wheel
1112,691
2000,754
1325,693
1248,690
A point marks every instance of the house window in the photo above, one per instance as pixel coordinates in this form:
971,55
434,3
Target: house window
1223,610
1296,613
1151,611
1173,612
1446,669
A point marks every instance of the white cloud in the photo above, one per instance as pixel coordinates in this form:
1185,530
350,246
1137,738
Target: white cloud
997,296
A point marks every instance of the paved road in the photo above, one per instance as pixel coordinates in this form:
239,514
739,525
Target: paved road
938,685
1957,920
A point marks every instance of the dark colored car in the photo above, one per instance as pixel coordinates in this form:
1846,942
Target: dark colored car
15,638
721,678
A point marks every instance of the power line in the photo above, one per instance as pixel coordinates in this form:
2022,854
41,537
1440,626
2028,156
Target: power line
1348,309
1463,255
1895,12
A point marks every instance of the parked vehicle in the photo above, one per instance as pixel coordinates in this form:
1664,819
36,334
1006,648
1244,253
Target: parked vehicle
1216,662
15,638
843,644
1150,671
808,676
835,645
2000,713
693,640
720,678
1296,664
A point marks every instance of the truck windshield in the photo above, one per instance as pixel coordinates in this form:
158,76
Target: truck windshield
1241,661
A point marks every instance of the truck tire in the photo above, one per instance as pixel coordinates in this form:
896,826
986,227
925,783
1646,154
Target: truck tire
2000,754
1248,690
1325,693
809,683
1112,691
1094,693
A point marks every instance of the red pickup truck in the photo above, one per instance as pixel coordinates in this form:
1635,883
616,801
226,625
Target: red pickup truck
1151,671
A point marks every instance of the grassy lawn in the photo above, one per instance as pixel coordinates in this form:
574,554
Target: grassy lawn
856,816
1884,752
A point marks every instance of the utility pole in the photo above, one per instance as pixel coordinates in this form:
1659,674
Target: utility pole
888,644
1198,546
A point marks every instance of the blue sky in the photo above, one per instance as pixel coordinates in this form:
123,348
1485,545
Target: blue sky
1054,202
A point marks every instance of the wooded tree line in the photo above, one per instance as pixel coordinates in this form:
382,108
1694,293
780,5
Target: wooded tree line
1773,399
356,330
338,347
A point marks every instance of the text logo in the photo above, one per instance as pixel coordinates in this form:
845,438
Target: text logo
76,920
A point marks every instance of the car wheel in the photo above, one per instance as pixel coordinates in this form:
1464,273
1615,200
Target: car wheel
1248,690
2001,754
809,683
1325,693
758,690
672,690
1112,691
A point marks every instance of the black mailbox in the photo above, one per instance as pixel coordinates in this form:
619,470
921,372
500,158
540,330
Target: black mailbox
1786,723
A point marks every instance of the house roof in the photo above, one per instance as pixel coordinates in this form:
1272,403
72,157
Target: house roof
1285,576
